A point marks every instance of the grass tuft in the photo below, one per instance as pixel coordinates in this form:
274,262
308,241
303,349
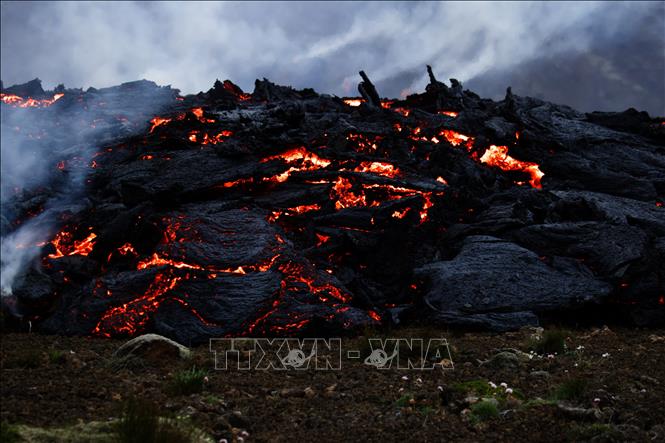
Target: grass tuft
484,410
56,357
9,433
573,389
141,423
188,382
553,341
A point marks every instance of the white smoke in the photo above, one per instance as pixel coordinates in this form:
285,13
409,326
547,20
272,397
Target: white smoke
35,141
320,45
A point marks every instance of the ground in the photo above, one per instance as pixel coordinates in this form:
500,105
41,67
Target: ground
607,385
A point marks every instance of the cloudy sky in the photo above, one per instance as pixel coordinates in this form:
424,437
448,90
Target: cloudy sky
590,55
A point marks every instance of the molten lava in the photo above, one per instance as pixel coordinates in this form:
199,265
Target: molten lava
498,156
16,101
456,139
65,245
379,168
354,101
158,121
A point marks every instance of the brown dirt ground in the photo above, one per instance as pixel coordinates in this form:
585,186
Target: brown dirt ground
82,386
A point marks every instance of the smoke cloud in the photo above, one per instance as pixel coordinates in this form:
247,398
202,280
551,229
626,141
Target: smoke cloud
47,155
591,55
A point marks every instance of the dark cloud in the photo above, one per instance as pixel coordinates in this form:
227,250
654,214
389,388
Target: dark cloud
540,49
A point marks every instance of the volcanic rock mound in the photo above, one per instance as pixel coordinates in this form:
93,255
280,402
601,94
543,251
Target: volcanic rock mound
287,212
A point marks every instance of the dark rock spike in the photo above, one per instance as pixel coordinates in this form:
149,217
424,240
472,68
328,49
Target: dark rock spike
368,91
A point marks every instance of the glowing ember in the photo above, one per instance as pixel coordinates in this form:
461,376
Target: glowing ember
354,101
498,156
15,100
380,168
305,161
363,143
302,209
401,214
426,206
158,121
448,113
198,113
123,250
456,139
195,137
321,239
374,315
129,318
65,245
299,273
403,111
341,192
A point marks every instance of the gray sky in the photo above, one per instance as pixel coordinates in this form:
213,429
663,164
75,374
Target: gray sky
590,55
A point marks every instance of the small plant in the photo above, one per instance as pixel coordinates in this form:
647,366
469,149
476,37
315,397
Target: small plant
212,399
483,388
552,342
479,387
141,423
188,382
572,389
485,409
9,433
404,401
56,357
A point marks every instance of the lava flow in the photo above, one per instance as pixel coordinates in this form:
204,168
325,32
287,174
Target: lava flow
65,245
498,156
15,100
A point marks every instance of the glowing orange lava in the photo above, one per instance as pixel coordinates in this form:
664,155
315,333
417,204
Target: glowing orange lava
498,156
379,168
354,101
16,101
158,121
65,245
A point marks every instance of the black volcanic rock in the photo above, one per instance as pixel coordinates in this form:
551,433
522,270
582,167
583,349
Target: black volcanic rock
494,276
33,89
